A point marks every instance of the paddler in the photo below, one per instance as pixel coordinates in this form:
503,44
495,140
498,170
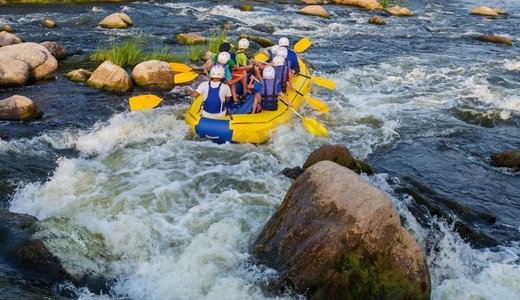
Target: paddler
268,89
283,42
214,94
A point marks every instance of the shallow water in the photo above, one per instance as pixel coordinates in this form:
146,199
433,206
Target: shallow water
420,98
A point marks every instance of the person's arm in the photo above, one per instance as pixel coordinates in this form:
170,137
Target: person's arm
286,102
194,93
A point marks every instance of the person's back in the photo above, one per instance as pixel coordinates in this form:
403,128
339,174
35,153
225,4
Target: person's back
267,89
214,93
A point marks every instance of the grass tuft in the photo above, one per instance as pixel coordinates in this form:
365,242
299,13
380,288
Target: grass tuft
216,39
195,52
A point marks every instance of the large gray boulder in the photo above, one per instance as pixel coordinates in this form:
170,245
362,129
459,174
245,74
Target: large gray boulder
153,74
56,49
40,60
110,77
7,39
337,237
19,108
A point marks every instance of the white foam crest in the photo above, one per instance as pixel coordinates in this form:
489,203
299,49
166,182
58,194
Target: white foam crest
476,87
97,9
512,65
256,17
124,129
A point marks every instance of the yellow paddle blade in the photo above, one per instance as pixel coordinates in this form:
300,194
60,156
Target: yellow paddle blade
324,82
317,104
184,77
144,102
261,57
314,128
302,45
177,67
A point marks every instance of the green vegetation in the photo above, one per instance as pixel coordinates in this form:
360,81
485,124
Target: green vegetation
131,52
216,39
196,52
389,3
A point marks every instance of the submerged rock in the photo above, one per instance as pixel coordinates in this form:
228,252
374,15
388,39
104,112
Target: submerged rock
315,10
49,23
7,27
487,11
508,159
338,154
292,173
116,21
80,75
40,60
19,108
190,39
56,49
7,39
245,7
376,20
496,39
110,77
153,74
337,237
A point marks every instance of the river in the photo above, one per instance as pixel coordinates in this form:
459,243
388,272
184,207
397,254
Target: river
420,99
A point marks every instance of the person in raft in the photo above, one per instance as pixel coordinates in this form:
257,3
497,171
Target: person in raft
291,55
281,68
243,66
267,90
214,94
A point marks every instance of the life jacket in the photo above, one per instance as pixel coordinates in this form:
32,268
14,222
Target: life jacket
213,104
234,57
269,94
281,73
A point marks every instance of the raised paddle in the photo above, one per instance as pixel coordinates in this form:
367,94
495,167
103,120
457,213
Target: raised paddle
184,77
302,45
178,67
144,102
314,103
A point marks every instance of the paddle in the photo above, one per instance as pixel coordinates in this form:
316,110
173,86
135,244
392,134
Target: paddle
314,103
302,45
184,77
178,67
324,82
312,126
144,102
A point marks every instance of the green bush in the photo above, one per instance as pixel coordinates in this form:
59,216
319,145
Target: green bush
131,52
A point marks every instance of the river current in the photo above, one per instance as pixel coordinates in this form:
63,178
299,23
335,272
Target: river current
420,99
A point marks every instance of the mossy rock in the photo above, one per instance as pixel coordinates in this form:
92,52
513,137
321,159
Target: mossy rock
245,7
262,41
49,23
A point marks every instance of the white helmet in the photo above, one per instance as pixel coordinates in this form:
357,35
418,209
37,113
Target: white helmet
278,61
283,42
268,73
274,49
217,72
223,57
243,44
282,52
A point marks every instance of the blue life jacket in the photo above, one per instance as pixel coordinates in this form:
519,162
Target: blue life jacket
269,94
234,57
281,75
212,103
293,59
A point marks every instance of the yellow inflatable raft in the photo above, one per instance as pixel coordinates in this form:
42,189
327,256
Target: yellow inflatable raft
248,128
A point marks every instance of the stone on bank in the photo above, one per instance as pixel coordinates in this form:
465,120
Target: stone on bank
337,237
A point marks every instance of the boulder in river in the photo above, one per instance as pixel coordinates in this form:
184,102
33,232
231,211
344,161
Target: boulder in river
7,39
19,108
365,4
110,77
399,11
56,49
190,39
116,21
153,74
262,41
487,11
335,236
315,10
7,27
40,60
80,75
49,23
376,20
496,39
508,159
338,154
